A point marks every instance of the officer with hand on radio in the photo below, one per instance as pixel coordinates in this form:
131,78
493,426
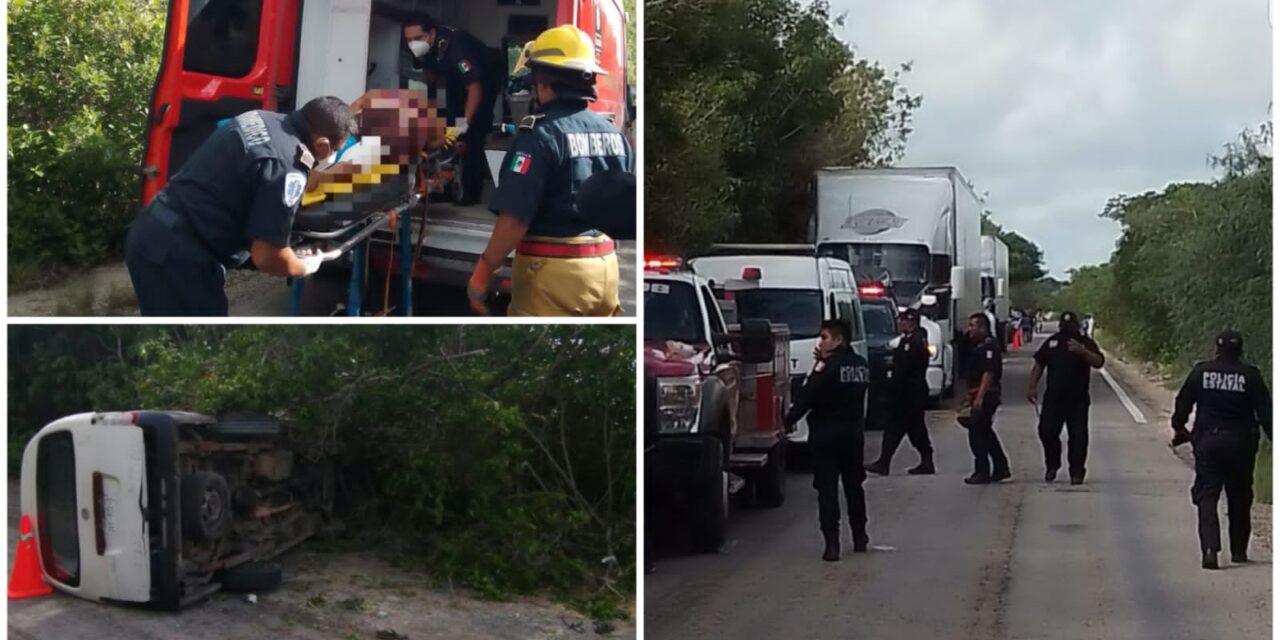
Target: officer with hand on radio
1232,403
833,396
1068,355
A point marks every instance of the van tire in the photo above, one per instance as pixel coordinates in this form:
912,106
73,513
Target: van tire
252,577
206,506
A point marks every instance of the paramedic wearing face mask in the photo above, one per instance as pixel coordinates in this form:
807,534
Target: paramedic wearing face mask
474,77
565,263
233,202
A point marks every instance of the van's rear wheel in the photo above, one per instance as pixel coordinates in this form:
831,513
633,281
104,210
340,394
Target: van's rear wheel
206,506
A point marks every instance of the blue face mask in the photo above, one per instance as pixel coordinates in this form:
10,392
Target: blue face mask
335,158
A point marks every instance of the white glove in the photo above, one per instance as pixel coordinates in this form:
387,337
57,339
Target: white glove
461,128
312,259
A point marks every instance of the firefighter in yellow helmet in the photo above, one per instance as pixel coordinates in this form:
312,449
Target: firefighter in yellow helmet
565,263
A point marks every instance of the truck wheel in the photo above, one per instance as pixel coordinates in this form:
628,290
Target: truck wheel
771,485
206,506
252,577
711,508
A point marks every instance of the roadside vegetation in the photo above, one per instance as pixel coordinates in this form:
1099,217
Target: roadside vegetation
497,458
1193,259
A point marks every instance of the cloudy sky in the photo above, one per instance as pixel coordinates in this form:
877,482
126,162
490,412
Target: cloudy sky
1054,107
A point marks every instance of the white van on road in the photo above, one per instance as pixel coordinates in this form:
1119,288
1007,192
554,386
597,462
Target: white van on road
789,284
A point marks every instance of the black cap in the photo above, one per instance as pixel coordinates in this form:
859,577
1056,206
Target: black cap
911,314
1230,338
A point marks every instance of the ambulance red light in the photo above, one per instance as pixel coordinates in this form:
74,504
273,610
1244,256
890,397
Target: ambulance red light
871,291
657,263
751,273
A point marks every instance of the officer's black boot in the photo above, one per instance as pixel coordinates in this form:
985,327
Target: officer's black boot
860,541
1209,559
879,467
925,468
1050,474
832,552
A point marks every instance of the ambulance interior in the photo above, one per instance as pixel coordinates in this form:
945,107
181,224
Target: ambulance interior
332,62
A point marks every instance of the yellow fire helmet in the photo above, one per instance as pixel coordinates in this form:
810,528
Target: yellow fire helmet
563,47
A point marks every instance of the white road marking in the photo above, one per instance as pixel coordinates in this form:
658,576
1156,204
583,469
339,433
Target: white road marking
1124,398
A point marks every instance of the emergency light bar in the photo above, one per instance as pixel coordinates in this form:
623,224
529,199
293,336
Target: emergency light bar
116,418
659,263
871,290
751,273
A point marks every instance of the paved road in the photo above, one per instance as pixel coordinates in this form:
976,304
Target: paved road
1114,558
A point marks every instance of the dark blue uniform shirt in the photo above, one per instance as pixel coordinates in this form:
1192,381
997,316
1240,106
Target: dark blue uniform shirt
553,154
243,184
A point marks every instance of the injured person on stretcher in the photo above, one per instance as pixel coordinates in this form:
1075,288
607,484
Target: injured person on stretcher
398,128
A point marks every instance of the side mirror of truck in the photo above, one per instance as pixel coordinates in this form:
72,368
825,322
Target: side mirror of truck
755,341
1000,288
957,283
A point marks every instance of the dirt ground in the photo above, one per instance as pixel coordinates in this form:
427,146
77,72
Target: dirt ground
339,596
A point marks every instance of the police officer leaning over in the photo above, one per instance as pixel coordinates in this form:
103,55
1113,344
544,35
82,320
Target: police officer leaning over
565,263
984,370
910,393
232,202
833,396
1068,355
1231,402
474,78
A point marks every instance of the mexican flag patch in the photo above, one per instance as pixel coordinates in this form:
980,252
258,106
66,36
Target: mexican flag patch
520,163
464,66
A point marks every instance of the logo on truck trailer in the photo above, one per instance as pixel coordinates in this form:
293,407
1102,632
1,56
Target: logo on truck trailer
873,221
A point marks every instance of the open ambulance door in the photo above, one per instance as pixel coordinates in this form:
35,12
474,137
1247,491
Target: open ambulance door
221,58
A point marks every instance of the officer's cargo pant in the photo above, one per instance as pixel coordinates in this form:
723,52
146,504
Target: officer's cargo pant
562,277
906,419
837,459
988,455
1076,417
1224,459
172,273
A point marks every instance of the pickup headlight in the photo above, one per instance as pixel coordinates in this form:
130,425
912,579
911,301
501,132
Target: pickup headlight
933,351
679,401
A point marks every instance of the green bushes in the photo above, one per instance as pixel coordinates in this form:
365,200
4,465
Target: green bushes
80,80
501,458
744,100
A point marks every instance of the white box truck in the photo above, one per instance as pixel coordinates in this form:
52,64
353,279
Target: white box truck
924,225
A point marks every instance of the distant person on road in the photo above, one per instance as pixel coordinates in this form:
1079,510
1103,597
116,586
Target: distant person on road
1028,328
1231,402
833,396
1068,355
983,371
909,392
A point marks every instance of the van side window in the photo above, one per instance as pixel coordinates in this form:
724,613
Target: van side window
222,37
845,311
713,311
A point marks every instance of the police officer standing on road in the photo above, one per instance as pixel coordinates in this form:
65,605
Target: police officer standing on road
232,202
983,372
565,263
910,392
1068,355
474,76
1231,402
833,396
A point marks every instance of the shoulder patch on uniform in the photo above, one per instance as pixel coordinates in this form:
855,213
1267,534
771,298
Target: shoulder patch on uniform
253,131
520,163
294,184
990,354
464,66
1053,344
305,158
529,121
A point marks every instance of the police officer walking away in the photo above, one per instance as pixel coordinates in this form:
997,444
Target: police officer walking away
565,263
910,393
1231,402
983,372
1068,355
833,395
473,76
232,202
